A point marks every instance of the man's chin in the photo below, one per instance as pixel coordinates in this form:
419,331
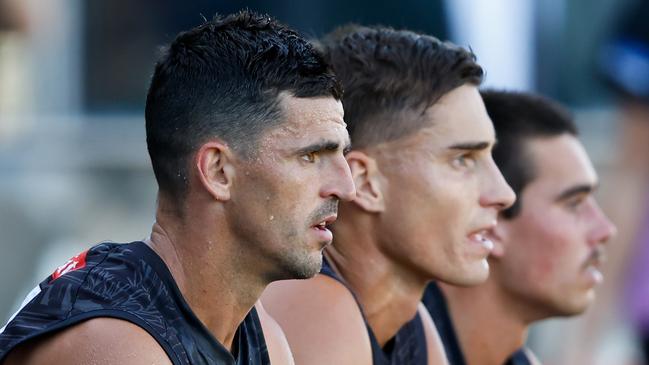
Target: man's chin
305,268
477,274
576,306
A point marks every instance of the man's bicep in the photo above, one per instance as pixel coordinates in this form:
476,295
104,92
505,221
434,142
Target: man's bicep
321,321
96,341
279,350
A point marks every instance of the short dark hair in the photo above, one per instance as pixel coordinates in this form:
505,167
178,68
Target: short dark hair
518,117
222,79
387,72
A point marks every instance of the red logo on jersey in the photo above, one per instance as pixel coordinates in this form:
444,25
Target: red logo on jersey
75,263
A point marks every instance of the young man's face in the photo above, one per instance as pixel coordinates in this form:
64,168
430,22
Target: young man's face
289,191
554,248
444,191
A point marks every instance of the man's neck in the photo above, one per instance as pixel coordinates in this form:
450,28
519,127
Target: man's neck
388,294
219,294
488,330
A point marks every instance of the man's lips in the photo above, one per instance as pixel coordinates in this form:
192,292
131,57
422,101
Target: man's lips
324,222
592,266
481,235
596,276
596,258
482,239
323,234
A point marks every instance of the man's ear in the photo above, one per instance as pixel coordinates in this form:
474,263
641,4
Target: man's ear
499,235
215,170
368,181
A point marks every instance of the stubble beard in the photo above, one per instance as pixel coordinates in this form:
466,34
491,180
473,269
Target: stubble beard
299,263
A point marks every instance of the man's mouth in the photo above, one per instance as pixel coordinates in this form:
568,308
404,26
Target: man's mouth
325,222
321,229
596,258
482,239
321,226
595,274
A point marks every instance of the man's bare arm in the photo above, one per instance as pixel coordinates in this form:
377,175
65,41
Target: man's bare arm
276,341
321,320
105,341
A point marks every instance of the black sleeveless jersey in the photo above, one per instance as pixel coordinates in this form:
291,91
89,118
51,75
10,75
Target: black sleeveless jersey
435,302
519,358
407,347
129,282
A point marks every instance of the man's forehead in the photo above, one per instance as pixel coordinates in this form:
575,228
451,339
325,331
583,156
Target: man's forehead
459,117
445,133
307,121
561,160
311,110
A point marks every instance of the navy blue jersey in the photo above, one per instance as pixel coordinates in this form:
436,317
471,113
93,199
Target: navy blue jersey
129,282
519,358
407,347
435,302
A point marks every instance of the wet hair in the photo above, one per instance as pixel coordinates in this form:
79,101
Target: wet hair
390,75
222,80
517,118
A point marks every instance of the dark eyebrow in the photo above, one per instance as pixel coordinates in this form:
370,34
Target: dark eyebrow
322,146
576,190
470,146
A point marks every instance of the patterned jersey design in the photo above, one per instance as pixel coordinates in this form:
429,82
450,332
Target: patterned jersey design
408,346
129,282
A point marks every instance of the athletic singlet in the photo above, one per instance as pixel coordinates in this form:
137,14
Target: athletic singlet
519,358
129,282
407,347
435,302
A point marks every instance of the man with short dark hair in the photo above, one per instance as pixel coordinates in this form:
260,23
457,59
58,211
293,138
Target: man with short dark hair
246,136
427,190
548,246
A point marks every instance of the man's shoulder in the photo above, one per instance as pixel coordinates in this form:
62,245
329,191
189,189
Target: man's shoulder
112,275
107,277
279,350
105,281
98,340
320,294
321,319
107,260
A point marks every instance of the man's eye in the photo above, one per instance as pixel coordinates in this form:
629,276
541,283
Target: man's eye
309,157
575,202
465,160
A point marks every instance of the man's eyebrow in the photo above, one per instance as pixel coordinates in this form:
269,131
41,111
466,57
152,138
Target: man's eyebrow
320,146
470,146
576,190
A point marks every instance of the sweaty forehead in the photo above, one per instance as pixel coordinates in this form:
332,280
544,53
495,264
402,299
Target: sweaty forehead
307,121
309,112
